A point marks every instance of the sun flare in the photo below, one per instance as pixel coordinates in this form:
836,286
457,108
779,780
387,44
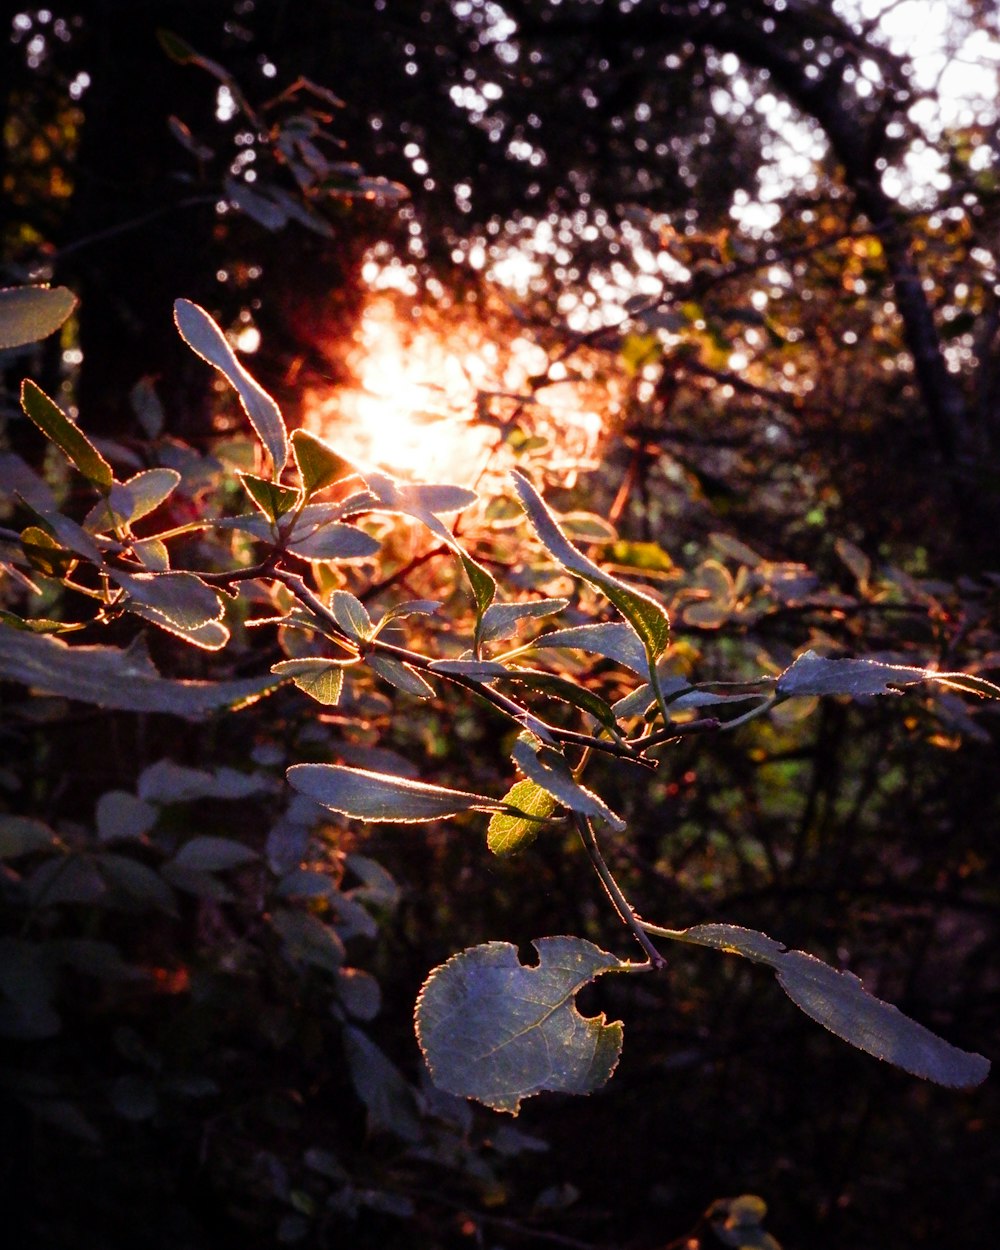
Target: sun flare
435,403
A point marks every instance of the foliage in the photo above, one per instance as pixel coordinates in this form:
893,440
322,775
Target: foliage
253,662
469,1018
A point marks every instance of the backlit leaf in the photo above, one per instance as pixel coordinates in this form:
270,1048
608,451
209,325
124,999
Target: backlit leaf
508,833
318,464
181,599
614,640
130,501
322,680
273,499
815,674
351,615
366,795
497,1031
500,620
400,675
839,1002
70,440
204,337
547,767
646,616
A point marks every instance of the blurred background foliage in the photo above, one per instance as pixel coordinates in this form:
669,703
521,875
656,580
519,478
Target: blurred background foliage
724,277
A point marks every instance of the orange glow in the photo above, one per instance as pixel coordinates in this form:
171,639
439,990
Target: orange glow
435,403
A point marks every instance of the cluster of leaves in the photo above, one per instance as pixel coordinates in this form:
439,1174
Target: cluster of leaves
490,1028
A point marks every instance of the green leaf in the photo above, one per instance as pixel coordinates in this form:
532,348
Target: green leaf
400,675
500,620
646,616
351,615
322,680
497,1031
45,554
318,464
508,834
484,588
812,674
365,795
273,499
114,678
547,767
70,440
29,314
204,337
839,1002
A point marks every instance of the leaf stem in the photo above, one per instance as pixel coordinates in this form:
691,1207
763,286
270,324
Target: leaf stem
620,903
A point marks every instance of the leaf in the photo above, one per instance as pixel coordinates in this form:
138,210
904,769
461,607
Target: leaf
547,767
204,337
209,635
259,208
318,464
167,782
365,795
484,587
497,1031
509,834
322,680
500,620
855,559
613,640
475,670
130,501
110,677
273,499
182,599
411,607
646,616
29,314
839,1002
568,691
122,816
359,993
333,541
45,554
400,675
308,939
351,615
815,674
212,854
20,835
70,440
381,1087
